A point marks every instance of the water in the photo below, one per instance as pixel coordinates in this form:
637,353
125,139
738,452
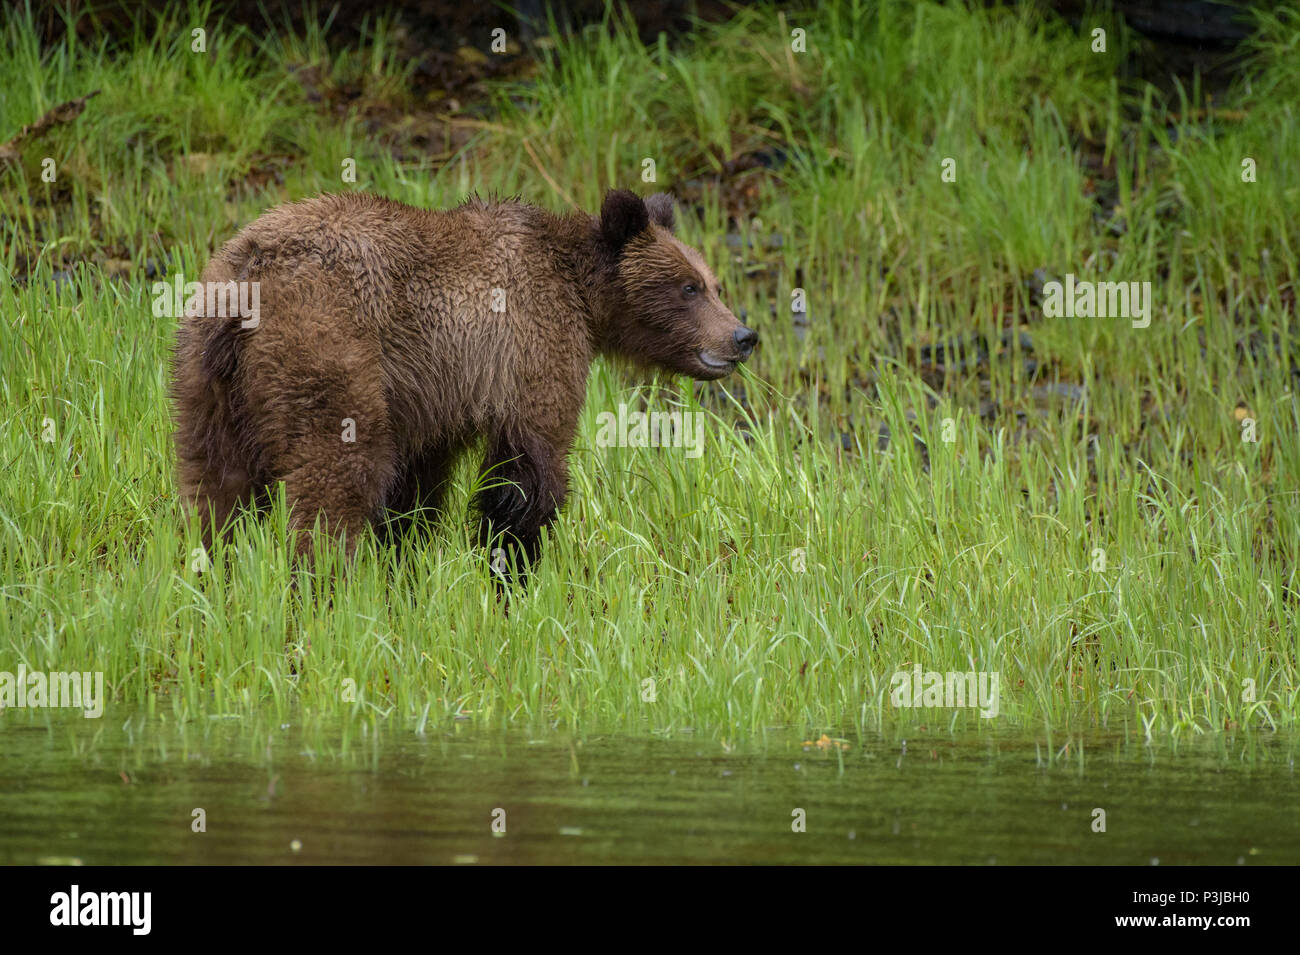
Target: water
101,792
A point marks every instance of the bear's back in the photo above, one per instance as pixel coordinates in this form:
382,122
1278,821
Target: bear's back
467,309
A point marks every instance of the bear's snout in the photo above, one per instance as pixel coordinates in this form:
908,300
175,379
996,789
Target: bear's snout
728,343
746,339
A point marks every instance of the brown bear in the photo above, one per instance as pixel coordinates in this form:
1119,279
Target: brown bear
389,338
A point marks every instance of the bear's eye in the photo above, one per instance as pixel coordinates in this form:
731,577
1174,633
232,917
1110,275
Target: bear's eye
689,289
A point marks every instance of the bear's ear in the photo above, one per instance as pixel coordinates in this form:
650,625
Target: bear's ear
622,215
660,207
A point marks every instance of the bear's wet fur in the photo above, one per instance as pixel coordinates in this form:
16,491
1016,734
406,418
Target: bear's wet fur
416,333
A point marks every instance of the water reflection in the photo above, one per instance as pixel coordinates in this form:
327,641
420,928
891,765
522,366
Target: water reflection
103,792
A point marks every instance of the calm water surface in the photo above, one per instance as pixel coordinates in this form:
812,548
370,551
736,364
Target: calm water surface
115,790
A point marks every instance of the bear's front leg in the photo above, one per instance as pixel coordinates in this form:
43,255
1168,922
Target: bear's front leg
525,481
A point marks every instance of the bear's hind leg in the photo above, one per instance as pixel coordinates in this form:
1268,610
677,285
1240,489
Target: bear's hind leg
338,476
316,400
216,462
215,492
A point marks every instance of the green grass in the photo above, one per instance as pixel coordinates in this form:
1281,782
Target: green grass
976,553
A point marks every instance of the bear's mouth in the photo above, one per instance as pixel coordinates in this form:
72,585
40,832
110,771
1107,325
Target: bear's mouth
714,363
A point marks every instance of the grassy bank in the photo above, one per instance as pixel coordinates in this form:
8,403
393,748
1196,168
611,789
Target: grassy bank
918,467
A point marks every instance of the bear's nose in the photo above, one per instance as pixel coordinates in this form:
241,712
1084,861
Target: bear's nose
746,339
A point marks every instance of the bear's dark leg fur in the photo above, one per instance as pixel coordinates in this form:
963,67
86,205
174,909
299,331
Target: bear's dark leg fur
527,484
416,498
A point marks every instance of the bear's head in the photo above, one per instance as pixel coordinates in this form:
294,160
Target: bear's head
669,313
